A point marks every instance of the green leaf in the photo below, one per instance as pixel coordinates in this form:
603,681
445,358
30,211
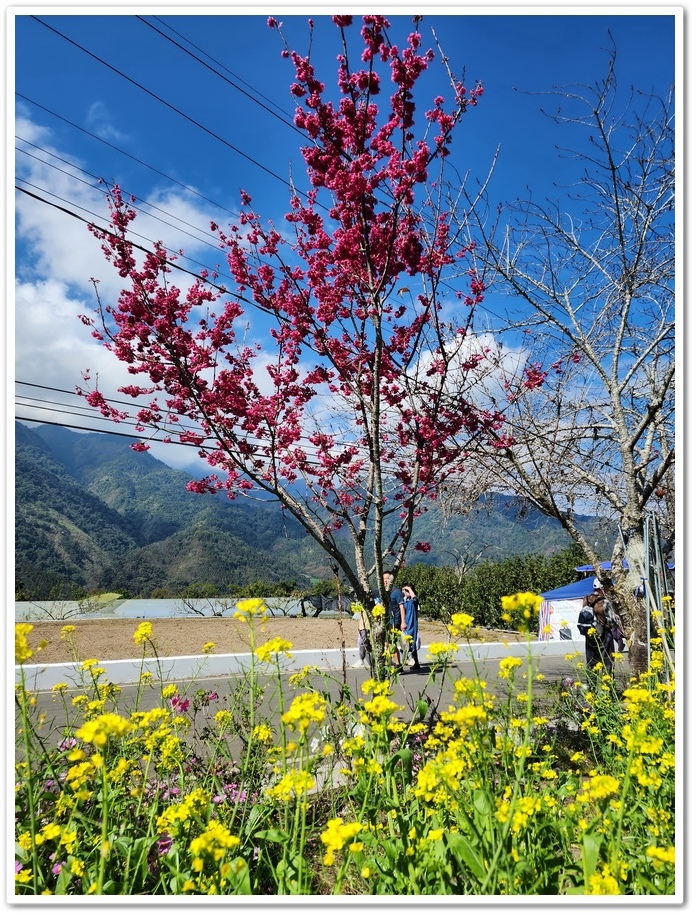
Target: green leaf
63,880
465,852
404,756
591,846
242,879
482,802
272,835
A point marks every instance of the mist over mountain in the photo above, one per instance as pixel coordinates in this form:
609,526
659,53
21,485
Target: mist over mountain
90,513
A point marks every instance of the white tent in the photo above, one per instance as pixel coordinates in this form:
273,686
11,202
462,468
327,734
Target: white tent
558,615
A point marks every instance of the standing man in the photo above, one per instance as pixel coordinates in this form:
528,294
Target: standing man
601,627
397,610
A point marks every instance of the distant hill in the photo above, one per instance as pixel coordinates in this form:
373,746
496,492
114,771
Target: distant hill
93,514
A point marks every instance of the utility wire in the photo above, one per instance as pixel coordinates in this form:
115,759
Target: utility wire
147,210
164,102
251,159
275,114
115,401
123,152
173,264
187,117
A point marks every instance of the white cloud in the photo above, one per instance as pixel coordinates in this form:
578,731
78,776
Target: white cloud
58,256
99,120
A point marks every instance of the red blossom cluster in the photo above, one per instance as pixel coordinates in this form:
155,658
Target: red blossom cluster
338,326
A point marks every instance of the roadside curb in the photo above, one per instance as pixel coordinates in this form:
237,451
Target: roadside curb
200,667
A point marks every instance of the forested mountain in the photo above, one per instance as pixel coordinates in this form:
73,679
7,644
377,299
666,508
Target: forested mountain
93,514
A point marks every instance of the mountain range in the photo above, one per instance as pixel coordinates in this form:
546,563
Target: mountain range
92,514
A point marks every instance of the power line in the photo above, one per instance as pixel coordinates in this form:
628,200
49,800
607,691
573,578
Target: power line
181,426
256,101
123,152
251,159
172,264
141,209
187,117
164,102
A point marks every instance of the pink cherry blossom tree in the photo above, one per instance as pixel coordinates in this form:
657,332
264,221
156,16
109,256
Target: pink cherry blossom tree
371,400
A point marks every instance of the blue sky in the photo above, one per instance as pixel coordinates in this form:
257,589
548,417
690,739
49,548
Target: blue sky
106,96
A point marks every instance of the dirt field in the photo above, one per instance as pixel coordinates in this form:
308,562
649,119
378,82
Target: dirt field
108,640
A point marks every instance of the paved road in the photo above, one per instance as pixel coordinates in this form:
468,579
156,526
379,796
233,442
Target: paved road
435,686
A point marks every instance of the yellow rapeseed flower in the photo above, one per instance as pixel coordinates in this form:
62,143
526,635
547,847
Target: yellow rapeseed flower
143,633
178,817
215,840
98,731
336,835
294,783
223,718
379,706
262,733
305,709
250,607
299,677
662,855
442,650
460,624
599,787
375,687
275,646
22,650
604,884
507,666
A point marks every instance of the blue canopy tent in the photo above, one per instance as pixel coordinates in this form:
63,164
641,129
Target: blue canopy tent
559,610
605,564
574,590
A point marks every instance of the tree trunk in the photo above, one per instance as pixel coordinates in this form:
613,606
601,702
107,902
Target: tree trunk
630,606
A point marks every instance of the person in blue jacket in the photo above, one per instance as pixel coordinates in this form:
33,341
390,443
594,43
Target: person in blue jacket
396,610
411,631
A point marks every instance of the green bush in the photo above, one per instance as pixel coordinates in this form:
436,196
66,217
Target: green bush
442,591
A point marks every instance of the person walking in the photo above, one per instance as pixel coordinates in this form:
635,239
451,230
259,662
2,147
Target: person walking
613,620
411,631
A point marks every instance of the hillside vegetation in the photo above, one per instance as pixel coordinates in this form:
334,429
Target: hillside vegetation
91,514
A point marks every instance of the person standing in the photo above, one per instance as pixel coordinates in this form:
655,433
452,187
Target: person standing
364,644
613,620
396,609
599,640
411,631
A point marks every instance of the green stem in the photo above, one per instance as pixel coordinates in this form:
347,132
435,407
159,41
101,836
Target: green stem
30,779
519,768
103,852
136,817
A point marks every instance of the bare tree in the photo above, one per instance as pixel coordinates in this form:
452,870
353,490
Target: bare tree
591,286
